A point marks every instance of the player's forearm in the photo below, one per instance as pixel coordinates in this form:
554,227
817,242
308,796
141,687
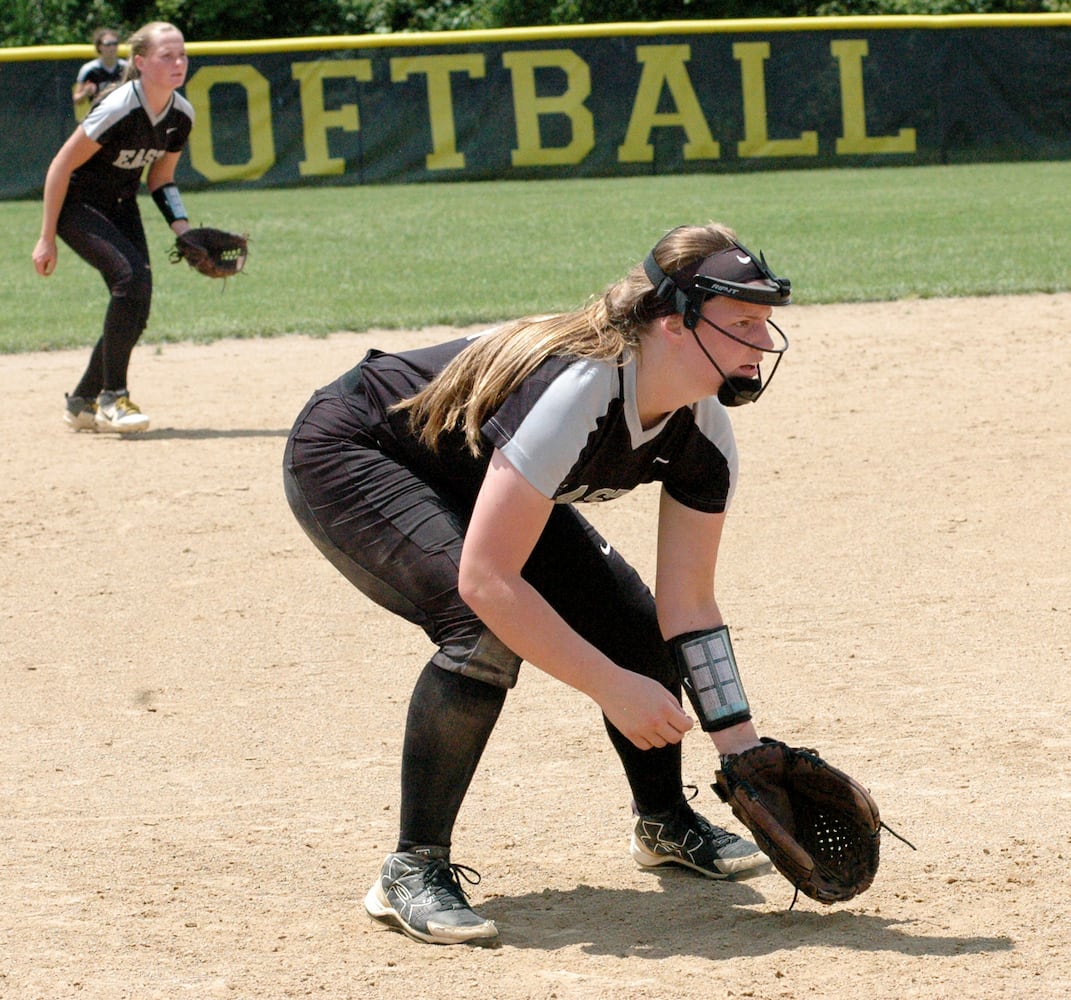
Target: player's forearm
736,738
57,181
684,596
675,617
528,625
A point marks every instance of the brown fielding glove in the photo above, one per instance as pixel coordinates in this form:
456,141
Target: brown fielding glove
213,252
819,827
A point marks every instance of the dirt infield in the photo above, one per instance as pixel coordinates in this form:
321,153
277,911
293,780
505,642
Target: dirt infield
201,720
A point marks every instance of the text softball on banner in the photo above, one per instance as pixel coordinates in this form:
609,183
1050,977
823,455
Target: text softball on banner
535,108
476,106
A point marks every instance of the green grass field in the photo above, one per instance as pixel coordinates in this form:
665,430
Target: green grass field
353,258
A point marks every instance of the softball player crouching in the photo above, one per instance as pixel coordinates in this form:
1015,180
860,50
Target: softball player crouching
444,483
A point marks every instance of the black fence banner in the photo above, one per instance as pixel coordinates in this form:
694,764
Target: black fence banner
588,101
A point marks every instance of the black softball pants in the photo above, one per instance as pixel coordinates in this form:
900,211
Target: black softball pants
113,243
398,539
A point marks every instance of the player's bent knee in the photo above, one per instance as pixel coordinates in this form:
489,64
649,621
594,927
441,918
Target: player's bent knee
484,658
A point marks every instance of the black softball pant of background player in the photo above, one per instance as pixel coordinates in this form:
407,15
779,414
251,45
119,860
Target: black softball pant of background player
398,540
113,243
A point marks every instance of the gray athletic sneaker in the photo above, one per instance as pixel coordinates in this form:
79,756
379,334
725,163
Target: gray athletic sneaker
80,413
680,836
418,893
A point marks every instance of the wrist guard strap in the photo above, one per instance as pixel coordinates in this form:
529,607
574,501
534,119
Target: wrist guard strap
709,674
169,201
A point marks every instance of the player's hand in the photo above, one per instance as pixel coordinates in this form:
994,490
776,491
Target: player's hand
644,711
44,257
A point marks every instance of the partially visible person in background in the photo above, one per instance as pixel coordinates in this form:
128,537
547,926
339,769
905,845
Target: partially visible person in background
100,73
90,202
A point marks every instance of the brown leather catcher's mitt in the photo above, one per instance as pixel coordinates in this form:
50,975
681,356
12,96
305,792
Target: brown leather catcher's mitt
819,827
213,252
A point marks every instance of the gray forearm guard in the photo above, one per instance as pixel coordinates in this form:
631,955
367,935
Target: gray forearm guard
169,201
709,674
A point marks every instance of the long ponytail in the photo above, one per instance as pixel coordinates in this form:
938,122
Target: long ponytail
610,327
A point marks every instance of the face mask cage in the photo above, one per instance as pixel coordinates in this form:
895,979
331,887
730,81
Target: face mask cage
737,391
780,342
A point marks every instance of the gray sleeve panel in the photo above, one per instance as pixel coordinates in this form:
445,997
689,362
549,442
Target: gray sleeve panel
552,435
86,69
113,109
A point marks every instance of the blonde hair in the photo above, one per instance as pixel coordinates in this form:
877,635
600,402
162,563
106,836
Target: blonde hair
610,327
141,43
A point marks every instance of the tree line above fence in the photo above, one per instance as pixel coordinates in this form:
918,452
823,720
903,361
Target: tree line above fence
72,22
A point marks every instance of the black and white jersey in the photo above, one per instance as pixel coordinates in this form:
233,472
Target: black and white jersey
96,72
131,139
572,429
